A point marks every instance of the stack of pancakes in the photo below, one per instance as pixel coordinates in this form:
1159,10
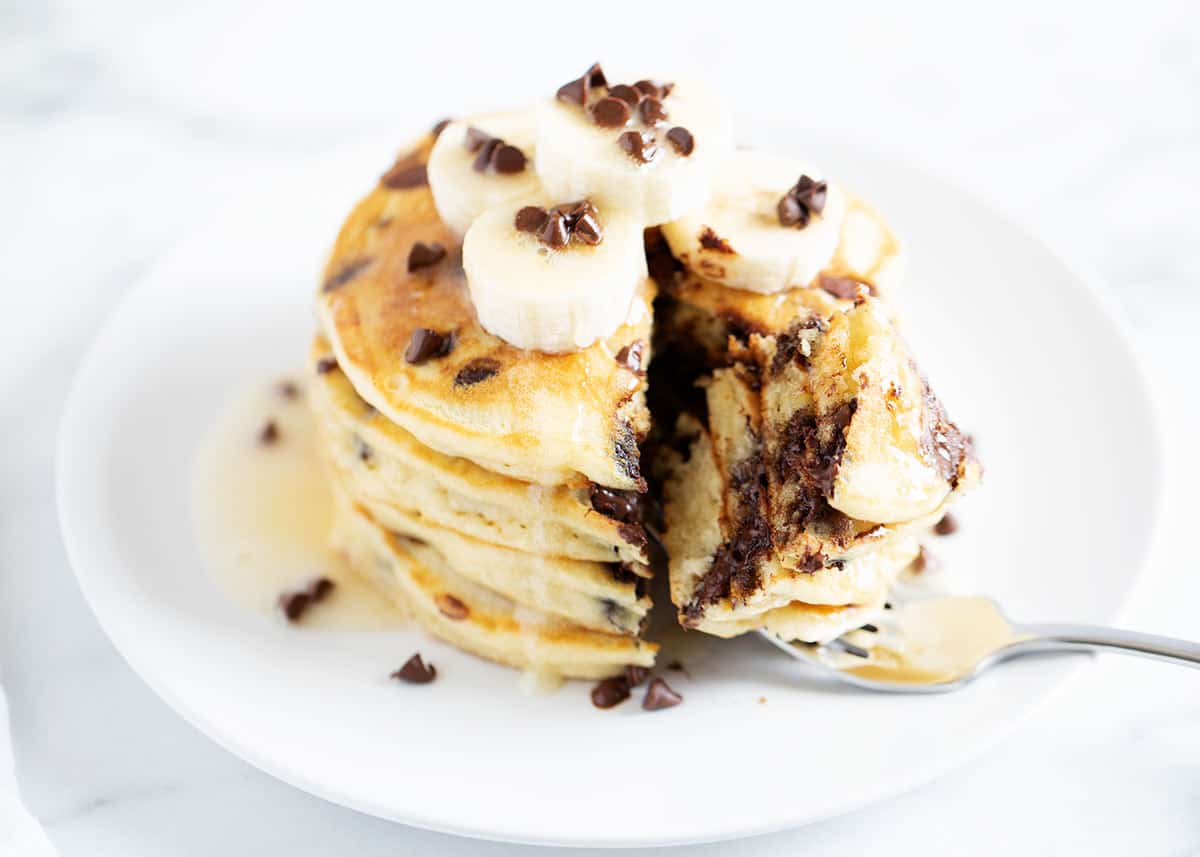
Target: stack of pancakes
803,454
492,491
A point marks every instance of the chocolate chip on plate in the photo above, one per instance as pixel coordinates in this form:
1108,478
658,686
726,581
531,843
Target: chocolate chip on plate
426,343
416,671
659,695
635,675
610,692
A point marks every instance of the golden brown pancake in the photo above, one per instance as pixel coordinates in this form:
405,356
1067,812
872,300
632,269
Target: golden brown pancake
539,417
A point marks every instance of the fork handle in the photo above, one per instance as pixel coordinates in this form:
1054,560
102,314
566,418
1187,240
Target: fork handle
1076,638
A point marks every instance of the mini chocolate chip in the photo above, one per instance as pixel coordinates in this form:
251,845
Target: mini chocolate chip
326,365
531,218
631,356
405,174
508,160
424,255
594,76
475,138
487,151
288,390
479,369
439,127
587,229
947,526
648,87
296,603
682,140
416,671
346,273
610,112
363,449
426,343
652,111
851,649
710,240
924,562
451,607
812,193
638,146
610,692
845,288
869,628
791,212
554,232
269,434
626,93
636,675
659,695
677,666
573,92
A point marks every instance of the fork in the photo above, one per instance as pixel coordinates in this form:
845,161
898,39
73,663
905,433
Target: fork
1029,639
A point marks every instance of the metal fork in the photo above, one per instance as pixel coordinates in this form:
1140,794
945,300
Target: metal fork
1034,639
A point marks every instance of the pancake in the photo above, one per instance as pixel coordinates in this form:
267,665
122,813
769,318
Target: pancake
473,617
546,418
387,465
757,480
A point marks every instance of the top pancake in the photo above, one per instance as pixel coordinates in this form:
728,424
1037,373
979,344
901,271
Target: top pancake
548,418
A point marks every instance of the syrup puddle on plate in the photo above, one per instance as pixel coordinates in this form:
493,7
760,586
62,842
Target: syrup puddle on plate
263,509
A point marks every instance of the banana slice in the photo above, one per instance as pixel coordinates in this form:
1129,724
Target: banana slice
740,238
654,158
563,279
468,174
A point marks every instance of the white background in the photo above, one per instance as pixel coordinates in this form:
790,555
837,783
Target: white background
122,124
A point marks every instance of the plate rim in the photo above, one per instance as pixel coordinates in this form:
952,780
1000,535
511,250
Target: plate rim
1084,285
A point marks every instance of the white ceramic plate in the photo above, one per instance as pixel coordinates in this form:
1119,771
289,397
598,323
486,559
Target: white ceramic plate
1014,343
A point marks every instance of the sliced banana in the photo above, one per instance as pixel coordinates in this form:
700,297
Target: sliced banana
461,190
552,298
656,173
885,474
738,239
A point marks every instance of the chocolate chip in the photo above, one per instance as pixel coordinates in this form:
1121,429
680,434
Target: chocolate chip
924,562
626,93
426,343
587,229
531,218
812,193
614,503
610,112
269,434
578,90
326,365
677,666
405,174
296,603
424,255
845,288
479,369
439,127
710,240
631,356
851,649
554,231
288,390
947,526
652,111
416,671
649,87
474,139
346,273
610,692
364,451
638,146
635,675
682,141
508,160
869,628
486,152
451,607
791,212
659,695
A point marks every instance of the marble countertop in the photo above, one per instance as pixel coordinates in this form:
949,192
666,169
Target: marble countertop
122,124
